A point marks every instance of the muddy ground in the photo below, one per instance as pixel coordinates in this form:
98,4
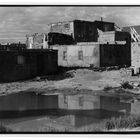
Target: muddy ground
76,82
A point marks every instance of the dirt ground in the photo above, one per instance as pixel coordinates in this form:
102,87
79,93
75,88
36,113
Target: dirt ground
70,81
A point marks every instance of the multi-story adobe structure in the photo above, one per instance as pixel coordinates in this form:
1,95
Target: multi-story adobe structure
80,30
97,43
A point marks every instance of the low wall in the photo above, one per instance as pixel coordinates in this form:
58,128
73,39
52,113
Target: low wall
115,55
35,63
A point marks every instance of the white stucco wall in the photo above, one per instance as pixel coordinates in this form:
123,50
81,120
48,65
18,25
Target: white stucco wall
91,55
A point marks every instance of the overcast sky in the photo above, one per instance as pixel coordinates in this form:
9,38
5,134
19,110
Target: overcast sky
16,22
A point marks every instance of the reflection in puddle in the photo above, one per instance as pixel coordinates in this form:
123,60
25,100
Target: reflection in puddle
91,102
66,110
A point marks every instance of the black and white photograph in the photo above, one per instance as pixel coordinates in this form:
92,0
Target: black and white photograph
69,69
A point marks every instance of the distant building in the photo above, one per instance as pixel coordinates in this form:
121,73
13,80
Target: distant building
60,39
13,46
29,41
82,31
36,41
24,64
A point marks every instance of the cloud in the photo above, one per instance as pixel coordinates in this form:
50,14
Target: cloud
16,22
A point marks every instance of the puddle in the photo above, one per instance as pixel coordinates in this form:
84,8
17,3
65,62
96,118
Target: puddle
28,111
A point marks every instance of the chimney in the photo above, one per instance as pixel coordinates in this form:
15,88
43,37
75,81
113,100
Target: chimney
101,18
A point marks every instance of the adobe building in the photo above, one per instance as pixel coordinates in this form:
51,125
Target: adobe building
88,31
36,41
13,46
29,63
80,30
94,54
96,43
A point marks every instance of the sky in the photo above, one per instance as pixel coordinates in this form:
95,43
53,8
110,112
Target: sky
16,22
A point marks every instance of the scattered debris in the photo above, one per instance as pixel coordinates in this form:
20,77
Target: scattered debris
136,84
37,78
100,69
106,88
130,72
126,85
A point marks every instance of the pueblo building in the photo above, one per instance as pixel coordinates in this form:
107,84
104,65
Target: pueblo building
97,43
82,31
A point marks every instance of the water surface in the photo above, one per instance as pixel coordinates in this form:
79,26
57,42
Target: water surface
32,112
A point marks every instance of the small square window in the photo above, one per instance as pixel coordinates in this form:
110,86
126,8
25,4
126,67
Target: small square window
20,59
64,55
80,55
81,101
66,25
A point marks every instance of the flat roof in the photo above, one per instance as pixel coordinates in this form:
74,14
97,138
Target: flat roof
104,21
81,20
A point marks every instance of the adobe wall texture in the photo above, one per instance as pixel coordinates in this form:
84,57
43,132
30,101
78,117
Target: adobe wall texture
32,66
135,54
63,27
36,41
82,31
113,36
106,36
115,55
91,55
11,71
94,54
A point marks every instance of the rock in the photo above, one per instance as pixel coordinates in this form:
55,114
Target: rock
127,85
136,84
38,78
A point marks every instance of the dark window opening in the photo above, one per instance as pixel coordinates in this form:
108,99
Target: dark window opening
81,101
20,60
64,55
46,38
80,55
106,27
66,25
